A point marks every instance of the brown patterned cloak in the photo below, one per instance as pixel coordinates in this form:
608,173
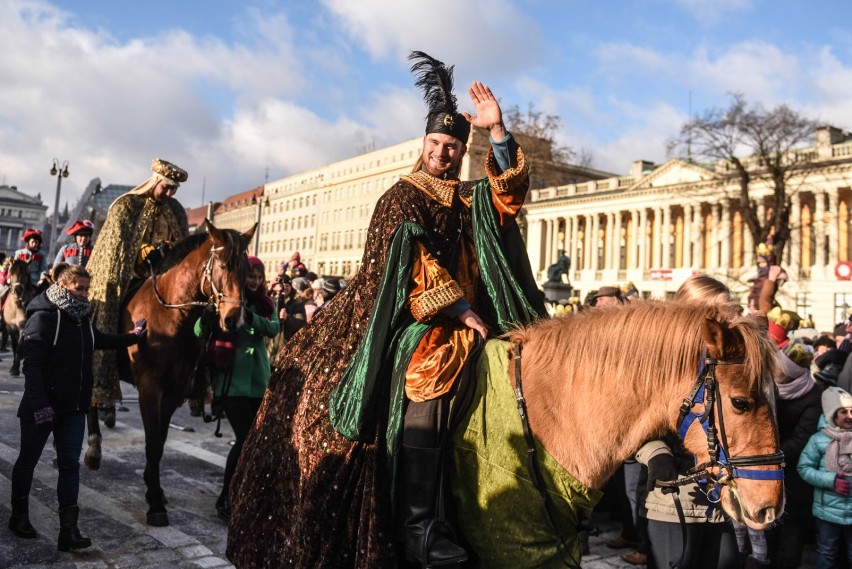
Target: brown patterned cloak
131,220
304,496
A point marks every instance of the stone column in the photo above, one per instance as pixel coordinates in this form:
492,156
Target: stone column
609,241
616,246
687,236
819,226
794,254
596,228
715,261
748,244
572,251
726,235
666,241
633,240
548,244
534,245
643,239
833,217
588,246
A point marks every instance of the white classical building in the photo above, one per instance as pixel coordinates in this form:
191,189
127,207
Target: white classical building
660,224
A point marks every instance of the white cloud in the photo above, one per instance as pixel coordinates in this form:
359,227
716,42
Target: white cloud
475,35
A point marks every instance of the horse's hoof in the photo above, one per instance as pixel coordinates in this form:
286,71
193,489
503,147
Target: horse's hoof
158,519
91,462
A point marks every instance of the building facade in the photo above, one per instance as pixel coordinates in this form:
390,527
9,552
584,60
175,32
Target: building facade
18,211
660,224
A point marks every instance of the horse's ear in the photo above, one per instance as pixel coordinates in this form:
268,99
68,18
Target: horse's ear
206,223
717,335
214,232
247,236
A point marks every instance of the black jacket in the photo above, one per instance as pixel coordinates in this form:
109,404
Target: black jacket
57,358
797,421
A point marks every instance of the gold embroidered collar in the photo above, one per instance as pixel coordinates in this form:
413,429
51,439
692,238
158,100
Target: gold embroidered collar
442,191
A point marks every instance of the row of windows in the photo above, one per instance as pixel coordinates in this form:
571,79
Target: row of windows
343,240
294,203
288,224
362,189
362,211
287,245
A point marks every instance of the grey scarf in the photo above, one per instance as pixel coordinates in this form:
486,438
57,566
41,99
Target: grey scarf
838,451
73,307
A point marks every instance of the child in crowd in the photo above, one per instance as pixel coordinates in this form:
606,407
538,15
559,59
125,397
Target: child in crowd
826,464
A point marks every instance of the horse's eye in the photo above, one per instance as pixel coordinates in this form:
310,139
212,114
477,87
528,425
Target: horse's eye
740,404
222,266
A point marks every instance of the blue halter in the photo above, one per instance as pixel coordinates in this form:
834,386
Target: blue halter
731,467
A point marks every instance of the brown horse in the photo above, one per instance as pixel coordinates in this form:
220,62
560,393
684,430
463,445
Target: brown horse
598,385
205,270
14,310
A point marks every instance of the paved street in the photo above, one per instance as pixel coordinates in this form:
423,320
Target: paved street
113,505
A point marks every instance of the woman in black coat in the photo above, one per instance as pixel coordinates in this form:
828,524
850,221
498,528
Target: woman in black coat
59,339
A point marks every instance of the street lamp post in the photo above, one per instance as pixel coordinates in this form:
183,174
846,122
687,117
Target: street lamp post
60,171
258,202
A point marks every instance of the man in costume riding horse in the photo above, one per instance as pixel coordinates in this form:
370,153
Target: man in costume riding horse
32,254
139,227
354,423
78,252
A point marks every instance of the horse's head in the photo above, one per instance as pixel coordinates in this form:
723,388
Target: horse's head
737,439
19,280
226,270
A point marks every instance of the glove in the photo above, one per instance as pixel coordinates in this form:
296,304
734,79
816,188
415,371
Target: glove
841,485
44,422
661,467
141,329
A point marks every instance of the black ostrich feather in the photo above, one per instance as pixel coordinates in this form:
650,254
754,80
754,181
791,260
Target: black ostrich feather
436,81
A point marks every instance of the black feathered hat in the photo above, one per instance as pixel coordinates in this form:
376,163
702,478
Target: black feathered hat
436,81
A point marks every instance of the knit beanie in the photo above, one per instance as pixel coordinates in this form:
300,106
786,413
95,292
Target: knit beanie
833,399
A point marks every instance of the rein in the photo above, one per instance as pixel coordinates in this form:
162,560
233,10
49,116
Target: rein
215,298
535,472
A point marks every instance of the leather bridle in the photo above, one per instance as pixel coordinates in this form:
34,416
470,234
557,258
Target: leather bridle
215,297
706,392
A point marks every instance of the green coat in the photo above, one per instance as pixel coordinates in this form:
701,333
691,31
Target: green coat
250,372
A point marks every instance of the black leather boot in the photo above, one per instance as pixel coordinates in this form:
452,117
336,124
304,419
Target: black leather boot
69,533
427,537
19,522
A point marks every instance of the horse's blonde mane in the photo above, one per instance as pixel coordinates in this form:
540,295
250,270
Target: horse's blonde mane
662,340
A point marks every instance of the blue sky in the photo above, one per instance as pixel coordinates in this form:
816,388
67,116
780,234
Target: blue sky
231,90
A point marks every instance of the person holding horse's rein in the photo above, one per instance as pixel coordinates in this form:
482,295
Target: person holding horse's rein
78,252
59,340
352,429
139,227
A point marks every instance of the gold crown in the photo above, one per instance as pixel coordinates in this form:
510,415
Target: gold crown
764,249
169,170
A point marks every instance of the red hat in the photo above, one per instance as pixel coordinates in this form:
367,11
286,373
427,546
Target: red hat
31,234
778,335
81,226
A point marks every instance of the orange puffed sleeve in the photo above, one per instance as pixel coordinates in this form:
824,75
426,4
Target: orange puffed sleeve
431,286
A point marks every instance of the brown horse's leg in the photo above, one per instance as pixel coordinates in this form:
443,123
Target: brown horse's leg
93,453
17,348
150,400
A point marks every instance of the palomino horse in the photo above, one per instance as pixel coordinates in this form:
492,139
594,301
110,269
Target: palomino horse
599,384
205,270
14,310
